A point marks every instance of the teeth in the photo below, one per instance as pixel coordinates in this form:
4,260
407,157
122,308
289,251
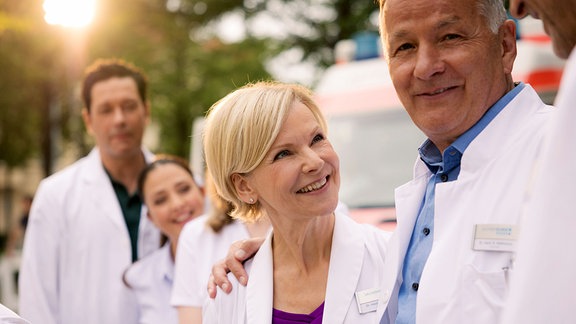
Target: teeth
182,218
439,91
314,186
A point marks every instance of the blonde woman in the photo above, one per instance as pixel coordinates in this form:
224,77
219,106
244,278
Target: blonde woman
268,153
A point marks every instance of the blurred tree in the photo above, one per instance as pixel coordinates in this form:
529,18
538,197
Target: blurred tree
312,28
30,85
174,41
187,73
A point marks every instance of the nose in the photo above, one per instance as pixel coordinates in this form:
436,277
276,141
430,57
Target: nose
119,115
177,202
518,9
428,62
313,162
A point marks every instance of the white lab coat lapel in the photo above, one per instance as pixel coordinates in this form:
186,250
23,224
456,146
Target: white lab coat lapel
346,261
259,292
408,199
98,185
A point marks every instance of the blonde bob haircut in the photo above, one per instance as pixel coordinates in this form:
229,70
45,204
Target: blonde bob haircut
240,130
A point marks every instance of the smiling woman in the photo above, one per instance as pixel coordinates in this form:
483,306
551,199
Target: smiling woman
69,13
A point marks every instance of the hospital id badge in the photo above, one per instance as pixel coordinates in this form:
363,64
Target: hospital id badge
495,237
367,300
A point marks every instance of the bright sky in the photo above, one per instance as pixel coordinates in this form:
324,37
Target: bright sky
69,13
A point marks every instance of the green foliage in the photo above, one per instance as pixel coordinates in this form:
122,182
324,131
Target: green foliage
30,81
189,68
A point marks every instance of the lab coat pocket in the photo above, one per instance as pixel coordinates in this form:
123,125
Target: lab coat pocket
483,290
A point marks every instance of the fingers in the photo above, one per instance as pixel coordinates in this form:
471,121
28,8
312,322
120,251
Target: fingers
211,287
219,278
239,252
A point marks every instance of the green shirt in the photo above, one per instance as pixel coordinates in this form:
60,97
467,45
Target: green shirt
131,208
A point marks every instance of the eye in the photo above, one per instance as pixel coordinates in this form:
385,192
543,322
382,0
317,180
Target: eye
184,188
157,201
451,37
404,47
129,105
281,155
318,138
104,109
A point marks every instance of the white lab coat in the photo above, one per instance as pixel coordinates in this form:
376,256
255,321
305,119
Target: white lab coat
7,316
151,280
77,248
199,248
356,264
543,289
458,284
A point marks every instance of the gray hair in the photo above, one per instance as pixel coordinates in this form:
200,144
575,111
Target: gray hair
494,12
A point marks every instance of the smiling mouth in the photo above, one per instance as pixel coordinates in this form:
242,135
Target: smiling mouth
314,186
436,92
184,217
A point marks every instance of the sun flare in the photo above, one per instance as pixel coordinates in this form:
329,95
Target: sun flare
69,13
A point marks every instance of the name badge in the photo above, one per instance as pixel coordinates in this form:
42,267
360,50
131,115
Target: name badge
367,300
495,237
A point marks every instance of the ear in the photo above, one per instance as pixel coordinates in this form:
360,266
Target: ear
508,39
147,112
87,121
243,188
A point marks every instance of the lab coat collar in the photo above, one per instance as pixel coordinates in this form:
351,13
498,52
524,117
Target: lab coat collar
502,132
346,259
259,293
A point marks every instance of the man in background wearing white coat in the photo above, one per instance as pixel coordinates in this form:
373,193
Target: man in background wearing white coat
86,224
543,288
451,63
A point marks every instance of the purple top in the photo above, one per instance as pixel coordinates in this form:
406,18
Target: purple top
280,317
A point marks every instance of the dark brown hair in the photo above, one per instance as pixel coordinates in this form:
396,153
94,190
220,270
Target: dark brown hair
104,69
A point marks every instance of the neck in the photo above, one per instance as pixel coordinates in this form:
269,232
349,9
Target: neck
173,245
258,228
125,170
303,244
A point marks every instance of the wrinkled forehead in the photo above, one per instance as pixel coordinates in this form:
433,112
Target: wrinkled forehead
405,16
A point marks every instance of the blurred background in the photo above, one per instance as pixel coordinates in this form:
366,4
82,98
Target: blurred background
194,52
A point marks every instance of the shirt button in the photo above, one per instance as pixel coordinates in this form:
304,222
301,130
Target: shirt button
415,286
444,177
426,231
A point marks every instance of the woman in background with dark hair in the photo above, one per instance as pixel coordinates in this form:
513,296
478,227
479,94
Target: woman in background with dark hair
204,241
173,198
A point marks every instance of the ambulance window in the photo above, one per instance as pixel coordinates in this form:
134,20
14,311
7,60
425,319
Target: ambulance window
377,152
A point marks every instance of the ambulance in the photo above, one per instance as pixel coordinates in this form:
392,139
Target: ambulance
376,139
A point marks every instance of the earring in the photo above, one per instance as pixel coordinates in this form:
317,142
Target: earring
251,201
